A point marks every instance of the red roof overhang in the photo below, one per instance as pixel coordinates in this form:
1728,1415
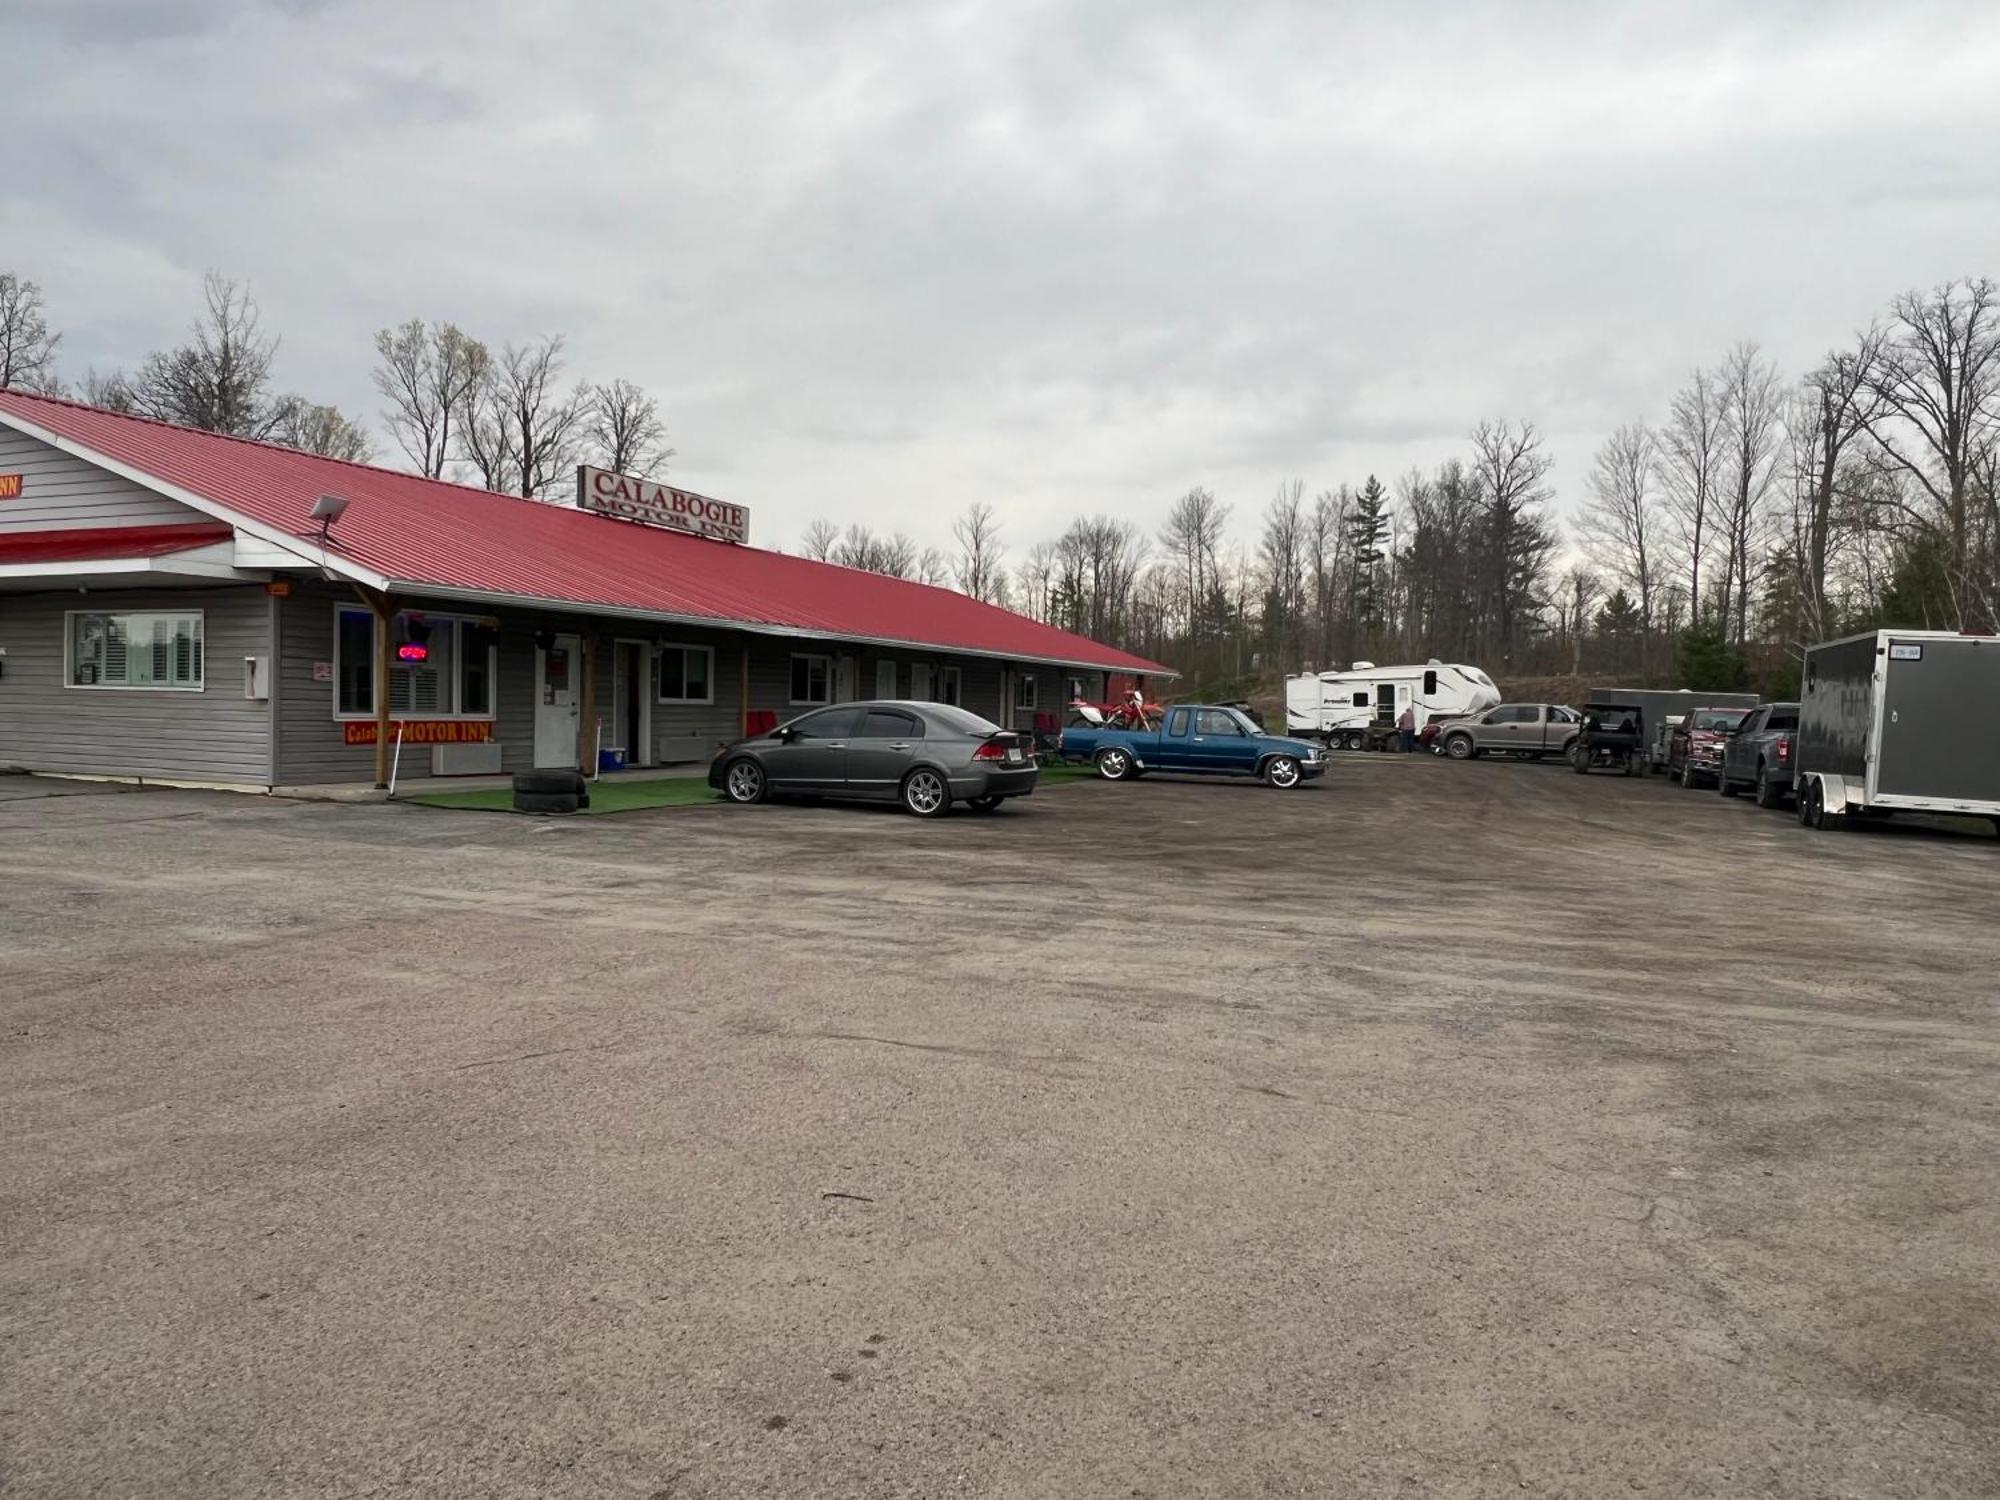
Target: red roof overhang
109,543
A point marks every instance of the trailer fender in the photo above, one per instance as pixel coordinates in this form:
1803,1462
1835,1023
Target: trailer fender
1834,789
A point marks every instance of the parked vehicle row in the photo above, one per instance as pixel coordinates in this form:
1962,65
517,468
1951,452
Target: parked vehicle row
1890,721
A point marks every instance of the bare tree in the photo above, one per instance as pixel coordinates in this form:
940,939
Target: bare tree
220,380
1034,577
821,541
427,372
934,568
1574,602
1512,468
1282,555
1939,384
27,348
1831,412
1193,536
486,437
517,427
625,433
319,429
1691,475
1620,524
113,392
896,556
979,550
1323,532
1752,408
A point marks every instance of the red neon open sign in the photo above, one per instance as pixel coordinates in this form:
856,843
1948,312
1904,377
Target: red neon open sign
413,651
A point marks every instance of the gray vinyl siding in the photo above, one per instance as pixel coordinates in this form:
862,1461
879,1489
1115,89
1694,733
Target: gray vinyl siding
59,492
215,734
311,749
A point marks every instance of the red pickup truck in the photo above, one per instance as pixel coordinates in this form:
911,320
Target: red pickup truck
1694,751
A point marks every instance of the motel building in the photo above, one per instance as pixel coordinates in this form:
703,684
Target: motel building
183,607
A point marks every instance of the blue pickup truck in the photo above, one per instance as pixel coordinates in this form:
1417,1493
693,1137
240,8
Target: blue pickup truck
1201,738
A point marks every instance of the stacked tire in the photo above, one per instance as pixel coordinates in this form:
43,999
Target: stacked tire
550,791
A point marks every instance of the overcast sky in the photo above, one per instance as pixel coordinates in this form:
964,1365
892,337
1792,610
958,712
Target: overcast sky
883,260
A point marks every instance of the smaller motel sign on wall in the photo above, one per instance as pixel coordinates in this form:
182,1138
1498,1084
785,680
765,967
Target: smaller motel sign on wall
421,731
10,486
632,499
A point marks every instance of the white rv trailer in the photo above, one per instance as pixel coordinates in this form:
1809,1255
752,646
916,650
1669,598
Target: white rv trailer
1338,706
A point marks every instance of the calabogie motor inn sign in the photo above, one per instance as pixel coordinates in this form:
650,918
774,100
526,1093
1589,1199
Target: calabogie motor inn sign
660,505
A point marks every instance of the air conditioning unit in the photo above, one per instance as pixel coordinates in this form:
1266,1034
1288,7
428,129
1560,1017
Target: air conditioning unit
466,760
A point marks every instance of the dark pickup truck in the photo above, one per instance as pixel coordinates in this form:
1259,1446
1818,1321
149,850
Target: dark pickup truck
1757,756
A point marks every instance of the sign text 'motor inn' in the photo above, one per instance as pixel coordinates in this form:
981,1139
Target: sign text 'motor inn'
633,499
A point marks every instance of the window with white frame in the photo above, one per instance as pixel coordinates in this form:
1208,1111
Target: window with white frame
812,679
949,688
1025,688
687,674
440,666
159,649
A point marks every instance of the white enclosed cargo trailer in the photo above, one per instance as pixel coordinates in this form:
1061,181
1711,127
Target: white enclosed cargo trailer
1338,707
1899,721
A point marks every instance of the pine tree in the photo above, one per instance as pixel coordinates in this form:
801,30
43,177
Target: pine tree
1367,544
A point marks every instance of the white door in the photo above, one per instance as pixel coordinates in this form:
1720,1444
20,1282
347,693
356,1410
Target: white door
920,682
845,674
557,710
885,679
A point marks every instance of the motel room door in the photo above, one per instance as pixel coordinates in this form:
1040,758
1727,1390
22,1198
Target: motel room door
557,709
631,701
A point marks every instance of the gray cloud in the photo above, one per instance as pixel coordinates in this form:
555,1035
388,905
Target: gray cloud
890,259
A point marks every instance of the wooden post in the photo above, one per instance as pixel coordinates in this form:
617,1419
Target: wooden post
743,714
384,607
586,721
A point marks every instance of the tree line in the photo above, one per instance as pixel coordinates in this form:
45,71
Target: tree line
1755,515
506,419
1751,514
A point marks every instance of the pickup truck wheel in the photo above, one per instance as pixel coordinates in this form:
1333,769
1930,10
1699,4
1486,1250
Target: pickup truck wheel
1114,764
1686,777
1579,761
1769,793
1723,785
1282,772
1458,747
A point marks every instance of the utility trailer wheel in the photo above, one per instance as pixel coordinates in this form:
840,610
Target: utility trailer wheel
1819,815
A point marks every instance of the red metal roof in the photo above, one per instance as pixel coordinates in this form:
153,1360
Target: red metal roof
94,543
423,532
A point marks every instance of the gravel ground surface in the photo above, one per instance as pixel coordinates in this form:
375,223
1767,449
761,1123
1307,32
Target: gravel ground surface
1431,1130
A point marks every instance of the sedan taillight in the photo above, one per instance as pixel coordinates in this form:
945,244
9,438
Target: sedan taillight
991,750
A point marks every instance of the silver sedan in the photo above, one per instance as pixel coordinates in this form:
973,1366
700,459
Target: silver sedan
925,755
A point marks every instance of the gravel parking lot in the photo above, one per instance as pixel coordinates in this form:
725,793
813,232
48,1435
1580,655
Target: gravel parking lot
1435,1129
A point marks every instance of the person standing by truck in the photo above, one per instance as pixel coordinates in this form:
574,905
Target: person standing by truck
1406,730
